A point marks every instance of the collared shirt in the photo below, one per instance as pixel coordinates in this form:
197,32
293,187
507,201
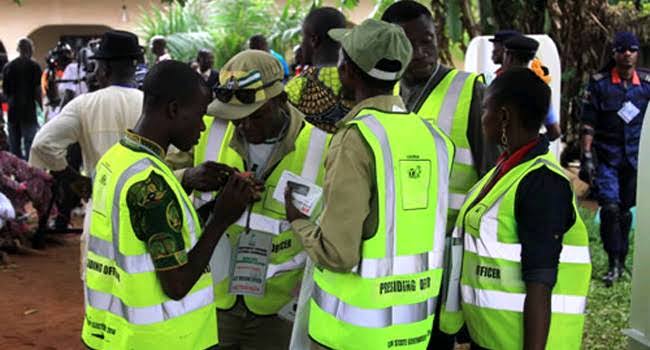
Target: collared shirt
96,121
350,211
616,78
156,215
284,146
616,141
540,230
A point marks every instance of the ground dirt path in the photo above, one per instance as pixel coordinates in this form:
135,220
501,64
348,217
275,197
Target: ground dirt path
41,300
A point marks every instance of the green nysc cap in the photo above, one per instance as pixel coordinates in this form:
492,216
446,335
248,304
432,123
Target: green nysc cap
372,41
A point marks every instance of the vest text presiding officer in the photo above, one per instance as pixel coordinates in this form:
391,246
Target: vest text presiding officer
378,247
148,285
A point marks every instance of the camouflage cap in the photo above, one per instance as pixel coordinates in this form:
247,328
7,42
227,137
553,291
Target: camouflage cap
372,41
246,82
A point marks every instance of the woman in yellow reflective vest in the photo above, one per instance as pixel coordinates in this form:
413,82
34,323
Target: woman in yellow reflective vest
524,274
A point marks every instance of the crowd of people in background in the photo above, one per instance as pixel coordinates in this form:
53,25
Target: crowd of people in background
434,227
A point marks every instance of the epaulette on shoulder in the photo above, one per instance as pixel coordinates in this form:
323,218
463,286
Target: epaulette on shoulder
598,76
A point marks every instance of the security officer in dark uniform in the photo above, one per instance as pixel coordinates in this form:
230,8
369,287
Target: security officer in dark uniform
614,107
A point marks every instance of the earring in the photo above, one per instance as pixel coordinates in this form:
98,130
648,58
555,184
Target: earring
504,136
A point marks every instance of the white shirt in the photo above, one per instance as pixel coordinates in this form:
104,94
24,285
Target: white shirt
96,120
258,156
73,72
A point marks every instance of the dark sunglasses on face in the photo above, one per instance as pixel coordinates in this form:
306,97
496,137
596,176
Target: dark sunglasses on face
622,49
245,96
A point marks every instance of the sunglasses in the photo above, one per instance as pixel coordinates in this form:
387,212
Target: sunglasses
245,96
622,49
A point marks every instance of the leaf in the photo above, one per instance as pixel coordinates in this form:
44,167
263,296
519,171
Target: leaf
454,24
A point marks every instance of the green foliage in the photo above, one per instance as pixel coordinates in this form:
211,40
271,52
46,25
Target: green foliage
225,26
237,20
608,309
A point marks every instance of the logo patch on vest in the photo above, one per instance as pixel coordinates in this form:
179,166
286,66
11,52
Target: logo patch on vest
415,179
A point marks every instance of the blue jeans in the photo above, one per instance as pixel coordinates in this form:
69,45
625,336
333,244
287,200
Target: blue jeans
21,136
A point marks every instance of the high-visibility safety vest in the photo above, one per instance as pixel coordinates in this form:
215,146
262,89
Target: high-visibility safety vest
287,259
491,288
448,107
126,307
389,299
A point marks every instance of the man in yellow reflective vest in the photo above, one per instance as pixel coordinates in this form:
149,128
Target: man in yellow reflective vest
250,125
378,244
451,99
148,285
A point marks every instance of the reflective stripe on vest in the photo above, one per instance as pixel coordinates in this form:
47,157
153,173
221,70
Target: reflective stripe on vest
448,117
373,318
134,264
150,314
396,265
390,295
492,289
284,269
497,300
125,304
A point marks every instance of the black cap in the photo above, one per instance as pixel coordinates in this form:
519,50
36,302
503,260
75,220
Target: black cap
521,43
503,35
118,44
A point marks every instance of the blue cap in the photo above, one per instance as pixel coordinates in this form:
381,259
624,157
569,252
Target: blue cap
626,40
503,35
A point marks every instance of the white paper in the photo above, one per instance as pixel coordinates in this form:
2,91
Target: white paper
248,269
305,197
628,112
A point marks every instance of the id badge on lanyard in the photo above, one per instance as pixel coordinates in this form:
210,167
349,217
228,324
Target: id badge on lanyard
250,263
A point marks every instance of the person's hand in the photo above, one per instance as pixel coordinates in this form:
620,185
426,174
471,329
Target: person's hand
587,168
233,200
292,212
257,185
208,176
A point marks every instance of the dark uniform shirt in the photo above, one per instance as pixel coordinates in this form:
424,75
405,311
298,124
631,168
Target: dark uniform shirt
156,214
540,230
616,140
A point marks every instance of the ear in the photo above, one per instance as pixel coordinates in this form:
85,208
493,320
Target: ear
315,40
173,110
505,115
